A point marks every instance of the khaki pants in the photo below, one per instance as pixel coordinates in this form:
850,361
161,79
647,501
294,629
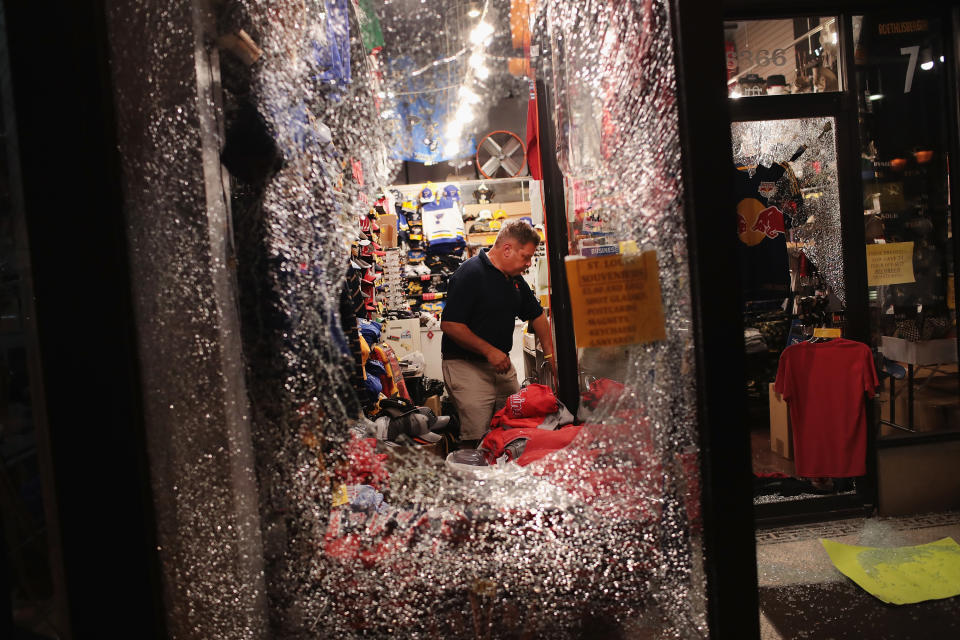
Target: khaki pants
478,392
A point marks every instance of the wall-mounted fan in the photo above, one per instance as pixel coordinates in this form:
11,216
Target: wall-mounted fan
501,154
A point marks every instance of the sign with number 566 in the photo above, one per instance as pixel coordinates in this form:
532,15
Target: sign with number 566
762,58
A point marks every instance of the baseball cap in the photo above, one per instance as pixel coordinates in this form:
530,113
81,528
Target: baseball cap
375,367
373,383
361,262
426,195
369,330
499,213
480,226
452,191
358,262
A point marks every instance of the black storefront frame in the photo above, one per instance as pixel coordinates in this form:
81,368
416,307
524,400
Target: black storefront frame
729,546
84,137
843,106
949,12
74,343
73,208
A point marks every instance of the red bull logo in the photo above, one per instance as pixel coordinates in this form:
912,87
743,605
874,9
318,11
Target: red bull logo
767,189
769,222
757,222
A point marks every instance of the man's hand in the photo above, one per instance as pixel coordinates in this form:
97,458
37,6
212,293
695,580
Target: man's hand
499,360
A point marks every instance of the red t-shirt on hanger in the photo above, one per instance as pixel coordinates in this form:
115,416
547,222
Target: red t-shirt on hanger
824,385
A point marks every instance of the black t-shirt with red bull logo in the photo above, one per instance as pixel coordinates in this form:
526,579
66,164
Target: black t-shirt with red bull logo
762,195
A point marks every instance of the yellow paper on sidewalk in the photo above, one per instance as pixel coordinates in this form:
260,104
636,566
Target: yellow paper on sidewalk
901,575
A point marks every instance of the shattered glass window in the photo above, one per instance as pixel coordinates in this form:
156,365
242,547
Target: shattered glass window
790,165
367,537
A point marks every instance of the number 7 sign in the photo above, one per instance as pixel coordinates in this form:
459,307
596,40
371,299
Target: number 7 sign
914,53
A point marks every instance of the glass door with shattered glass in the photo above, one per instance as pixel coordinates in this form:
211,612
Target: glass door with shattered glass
792,285
790,227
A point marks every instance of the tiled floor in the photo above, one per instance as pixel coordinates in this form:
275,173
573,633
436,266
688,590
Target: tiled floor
803,595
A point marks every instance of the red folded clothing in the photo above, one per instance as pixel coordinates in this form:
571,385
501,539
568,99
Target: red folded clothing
534,400
536,442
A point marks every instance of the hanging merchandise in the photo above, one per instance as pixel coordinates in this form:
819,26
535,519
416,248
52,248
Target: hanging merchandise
421,108
764,194
533,136
824,385
331,45
442,219
393,280
370,32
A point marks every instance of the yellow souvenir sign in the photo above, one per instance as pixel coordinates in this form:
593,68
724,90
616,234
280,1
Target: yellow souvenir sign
616,299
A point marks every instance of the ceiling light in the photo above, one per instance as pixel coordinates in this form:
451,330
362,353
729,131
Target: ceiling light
481,72
926,66
874,97
481,32
468,96
464,114
475,60
473,10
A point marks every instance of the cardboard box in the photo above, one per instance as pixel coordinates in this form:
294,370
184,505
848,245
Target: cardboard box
403,336
781,431
433,403
388,230
932,409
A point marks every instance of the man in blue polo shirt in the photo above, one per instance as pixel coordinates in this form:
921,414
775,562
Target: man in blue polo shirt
484,297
